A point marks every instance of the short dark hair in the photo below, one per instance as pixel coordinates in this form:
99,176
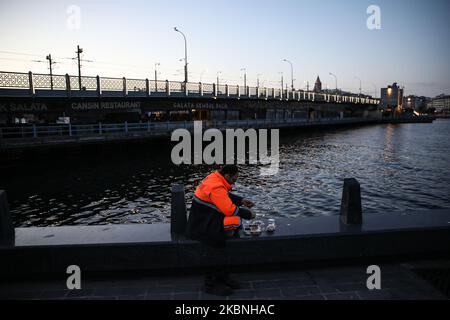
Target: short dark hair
229,169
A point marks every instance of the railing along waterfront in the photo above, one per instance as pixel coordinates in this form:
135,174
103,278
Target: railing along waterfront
31,84
98,129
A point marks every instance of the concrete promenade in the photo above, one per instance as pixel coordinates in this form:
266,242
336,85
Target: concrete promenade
398,281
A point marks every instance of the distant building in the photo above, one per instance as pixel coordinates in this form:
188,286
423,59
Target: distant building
318,85
441,104
415,103
392,99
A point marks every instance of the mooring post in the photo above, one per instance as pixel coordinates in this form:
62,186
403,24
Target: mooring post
351,209
7,234
178,217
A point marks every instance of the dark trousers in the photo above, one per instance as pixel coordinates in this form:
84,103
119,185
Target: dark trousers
216,256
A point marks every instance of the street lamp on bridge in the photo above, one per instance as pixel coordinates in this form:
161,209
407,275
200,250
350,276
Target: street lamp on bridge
375,90
156,70
292,73
218,72
257,79
359,84
185,55
335,78
245,77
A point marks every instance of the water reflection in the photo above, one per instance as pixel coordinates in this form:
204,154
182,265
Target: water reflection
400,167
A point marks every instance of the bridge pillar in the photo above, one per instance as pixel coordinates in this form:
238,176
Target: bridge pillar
200,89
214,90
227,93
238,91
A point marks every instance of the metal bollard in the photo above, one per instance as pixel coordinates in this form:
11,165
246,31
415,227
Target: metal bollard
7,234
178,218
351,208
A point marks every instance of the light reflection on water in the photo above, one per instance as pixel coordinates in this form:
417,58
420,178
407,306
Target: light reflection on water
400,167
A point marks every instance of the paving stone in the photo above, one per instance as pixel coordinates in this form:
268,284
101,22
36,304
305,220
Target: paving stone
300,291
207,296
385,294
107,292
22,295
341,283
243,294
54,294
79,293
136,291
166,296
267,293
186,296
308,297
138,297
342,296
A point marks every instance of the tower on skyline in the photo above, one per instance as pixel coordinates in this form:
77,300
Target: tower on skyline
318,85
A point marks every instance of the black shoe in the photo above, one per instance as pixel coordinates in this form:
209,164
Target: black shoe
218,289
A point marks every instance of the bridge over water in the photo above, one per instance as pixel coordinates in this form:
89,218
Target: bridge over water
15,84
43,109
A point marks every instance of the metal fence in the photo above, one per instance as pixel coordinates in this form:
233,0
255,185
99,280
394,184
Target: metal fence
34,84
60,130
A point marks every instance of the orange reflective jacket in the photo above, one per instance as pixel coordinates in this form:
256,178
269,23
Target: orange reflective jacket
214,189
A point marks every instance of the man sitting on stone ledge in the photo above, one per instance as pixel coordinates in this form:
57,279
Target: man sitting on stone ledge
215,215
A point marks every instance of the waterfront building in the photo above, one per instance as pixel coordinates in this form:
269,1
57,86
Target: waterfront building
441,104
416,103
392,99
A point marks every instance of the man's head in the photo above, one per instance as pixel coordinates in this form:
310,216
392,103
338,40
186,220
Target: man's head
230,173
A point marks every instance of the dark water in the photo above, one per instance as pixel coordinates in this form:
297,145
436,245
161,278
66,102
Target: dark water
400,168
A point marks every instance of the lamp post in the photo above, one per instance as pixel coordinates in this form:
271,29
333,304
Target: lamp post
156,71
292,73
218,72
79,51
49,58
282,80
359,84
375,90
335,78
257,79
245,79
156,76
185,55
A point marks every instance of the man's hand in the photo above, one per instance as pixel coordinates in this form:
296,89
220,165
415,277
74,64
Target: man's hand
253,214
247,203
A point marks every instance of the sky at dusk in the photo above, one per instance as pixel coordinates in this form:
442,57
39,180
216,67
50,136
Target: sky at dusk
127,38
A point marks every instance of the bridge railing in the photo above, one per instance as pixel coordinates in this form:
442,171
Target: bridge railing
36,84
99,129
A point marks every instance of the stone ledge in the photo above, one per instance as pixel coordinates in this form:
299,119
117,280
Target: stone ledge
152,248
